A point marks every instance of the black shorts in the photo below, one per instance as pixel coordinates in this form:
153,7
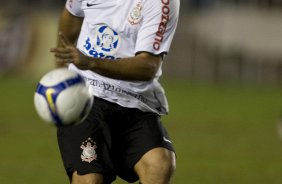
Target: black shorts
111,141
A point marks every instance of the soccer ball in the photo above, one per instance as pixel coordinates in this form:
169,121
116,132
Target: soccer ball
62,98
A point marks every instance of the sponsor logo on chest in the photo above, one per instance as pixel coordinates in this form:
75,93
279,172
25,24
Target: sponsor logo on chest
103,42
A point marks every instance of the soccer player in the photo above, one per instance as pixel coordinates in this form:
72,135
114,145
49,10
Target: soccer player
120,47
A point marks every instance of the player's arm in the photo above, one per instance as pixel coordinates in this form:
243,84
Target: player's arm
142,67
70,25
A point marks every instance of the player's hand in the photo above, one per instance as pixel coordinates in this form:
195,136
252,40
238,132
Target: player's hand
70,54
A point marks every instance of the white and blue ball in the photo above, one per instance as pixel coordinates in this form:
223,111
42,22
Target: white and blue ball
62,98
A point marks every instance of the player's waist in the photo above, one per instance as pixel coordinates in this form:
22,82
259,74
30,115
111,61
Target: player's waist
148,96
116,91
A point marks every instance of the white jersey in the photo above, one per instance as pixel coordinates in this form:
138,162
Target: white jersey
114,29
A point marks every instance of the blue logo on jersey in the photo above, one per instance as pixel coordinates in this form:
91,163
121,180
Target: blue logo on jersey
103,42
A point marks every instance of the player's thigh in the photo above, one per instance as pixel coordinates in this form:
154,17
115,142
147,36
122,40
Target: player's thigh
92,178
141,133
85,147
158,162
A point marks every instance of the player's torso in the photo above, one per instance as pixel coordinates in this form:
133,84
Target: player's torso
110,27
115,29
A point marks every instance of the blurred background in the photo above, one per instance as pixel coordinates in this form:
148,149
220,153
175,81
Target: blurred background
222,77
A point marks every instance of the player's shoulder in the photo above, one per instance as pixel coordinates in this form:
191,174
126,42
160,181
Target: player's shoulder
163,5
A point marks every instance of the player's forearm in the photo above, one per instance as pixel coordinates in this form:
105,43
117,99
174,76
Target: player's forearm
142,67
70,26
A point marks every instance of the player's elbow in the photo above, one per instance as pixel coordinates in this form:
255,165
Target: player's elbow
150,71
150,66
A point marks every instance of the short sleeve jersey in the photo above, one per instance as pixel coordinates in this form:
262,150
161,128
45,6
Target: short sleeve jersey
114,29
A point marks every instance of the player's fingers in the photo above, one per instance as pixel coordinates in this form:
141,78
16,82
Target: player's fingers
60,50
63,55
64,61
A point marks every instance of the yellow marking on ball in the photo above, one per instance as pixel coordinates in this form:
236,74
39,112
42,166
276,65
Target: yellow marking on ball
50,101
